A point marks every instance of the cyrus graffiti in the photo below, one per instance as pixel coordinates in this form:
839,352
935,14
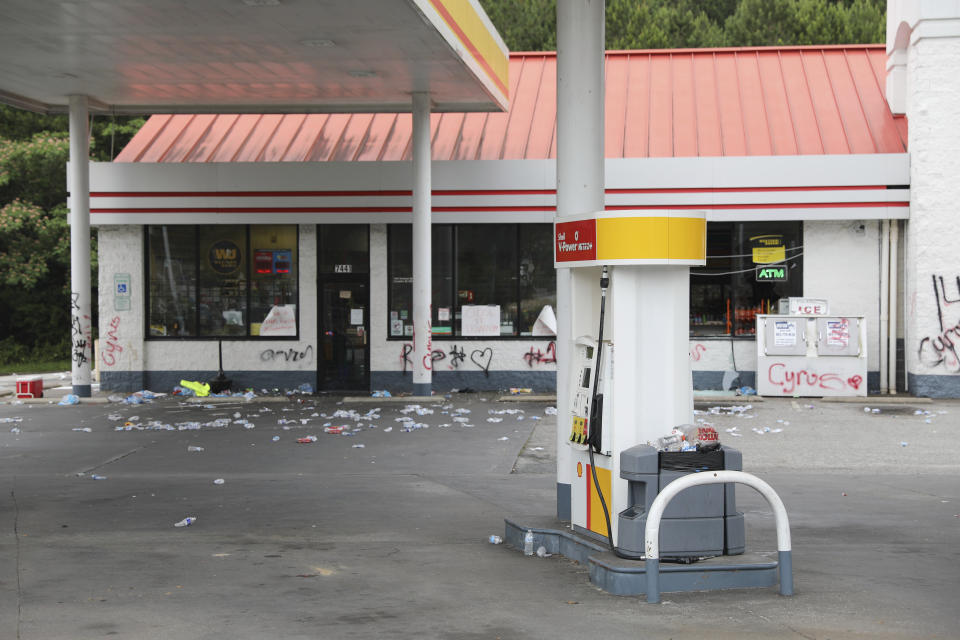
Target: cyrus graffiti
791,380
537,356
288,355
941,349
111,346
697,351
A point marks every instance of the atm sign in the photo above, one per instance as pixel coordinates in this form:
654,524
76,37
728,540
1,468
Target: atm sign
772,274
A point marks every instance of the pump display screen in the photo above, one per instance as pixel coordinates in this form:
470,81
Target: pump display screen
585,382
589,353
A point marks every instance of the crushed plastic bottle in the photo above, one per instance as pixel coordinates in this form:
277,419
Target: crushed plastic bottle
550,411
83,429
69,399
528,543
219,481
98,477
194,449
186,522
542,552
495,539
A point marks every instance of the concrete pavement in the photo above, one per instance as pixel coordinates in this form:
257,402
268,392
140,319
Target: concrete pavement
329,540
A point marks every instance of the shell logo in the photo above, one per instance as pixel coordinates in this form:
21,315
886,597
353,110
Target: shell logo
579,469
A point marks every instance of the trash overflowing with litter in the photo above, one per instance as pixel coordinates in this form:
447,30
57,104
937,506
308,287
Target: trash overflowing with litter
689,437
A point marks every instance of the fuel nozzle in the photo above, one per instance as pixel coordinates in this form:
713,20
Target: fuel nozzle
604,280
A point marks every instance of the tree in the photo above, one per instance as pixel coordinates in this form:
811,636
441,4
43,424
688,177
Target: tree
34,234
530,25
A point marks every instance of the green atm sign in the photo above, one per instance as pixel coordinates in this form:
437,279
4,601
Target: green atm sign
776,273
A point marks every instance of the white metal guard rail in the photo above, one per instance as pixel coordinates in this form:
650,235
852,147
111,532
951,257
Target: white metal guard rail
652,532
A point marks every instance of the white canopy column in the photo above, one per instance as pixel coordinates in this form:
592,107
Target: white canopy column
81,342
580,188
422,250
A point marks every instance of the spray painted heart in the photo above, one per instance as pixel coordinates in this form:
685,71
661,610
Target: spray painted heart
477,357
855,381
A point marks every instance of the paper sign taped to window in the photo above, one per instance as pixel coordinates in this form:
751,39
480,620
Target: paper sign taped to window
281,321
356,316
480,320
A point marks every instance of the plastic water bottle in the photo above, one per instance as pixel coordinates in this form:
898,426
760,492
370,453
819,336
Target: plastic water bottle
528,543
495,539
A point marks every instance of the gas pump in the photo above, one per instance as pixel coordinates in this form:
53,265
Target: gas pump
630,380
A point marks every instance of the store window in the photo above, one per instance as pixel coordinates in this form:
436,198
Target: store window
750,265
502,272
222,281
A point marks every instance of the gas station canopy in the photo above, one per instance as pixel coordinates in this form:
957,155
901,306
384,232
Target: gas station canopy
173,56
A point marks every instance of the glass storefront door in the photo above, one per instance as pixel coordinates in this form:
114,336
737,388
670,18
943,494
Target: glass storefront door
344,307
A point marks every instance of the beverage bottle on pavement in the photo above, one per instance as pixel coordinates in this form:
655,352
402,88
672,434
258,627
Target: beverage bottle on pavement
528,543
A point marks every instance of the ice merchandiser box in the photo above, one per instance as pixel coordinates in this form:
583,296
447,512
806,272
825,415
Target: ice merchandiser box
807,355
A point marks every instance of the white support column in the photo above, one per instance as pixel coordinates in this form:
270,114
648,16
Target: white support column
892,306
580,183
79,183
422,251
884,298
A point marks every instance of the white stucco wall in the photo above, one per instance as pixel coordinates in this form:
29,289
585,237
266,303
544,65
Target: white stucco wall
121,326
841,263
933,236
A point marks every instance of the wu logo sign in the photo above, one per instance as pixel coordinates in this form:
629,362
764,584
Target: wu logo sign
772,274
224,256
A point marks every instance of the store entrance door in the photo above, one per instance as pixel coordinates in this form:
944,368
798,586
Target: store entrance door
344,336
343,285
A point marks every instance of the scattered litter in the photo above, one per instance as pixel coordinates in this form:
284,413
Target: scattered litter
903,444
536,449
746,391
276,438
494,419
844,494
502,438
501,412
519,390
114,417
83,429
550,411
334,430
186,522
69,399
306,439
874,410
97,477
306,387
14,419
15,430
494,539
359,446
194,449
387,429
219,481
542,552
381,394
866,409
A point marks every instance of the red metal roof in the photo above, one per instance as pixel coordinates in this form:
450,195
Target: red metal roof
660,103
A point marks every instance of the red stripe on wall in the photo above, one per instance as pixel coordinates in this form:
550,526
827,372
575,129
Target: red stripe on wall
457,192
481,209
